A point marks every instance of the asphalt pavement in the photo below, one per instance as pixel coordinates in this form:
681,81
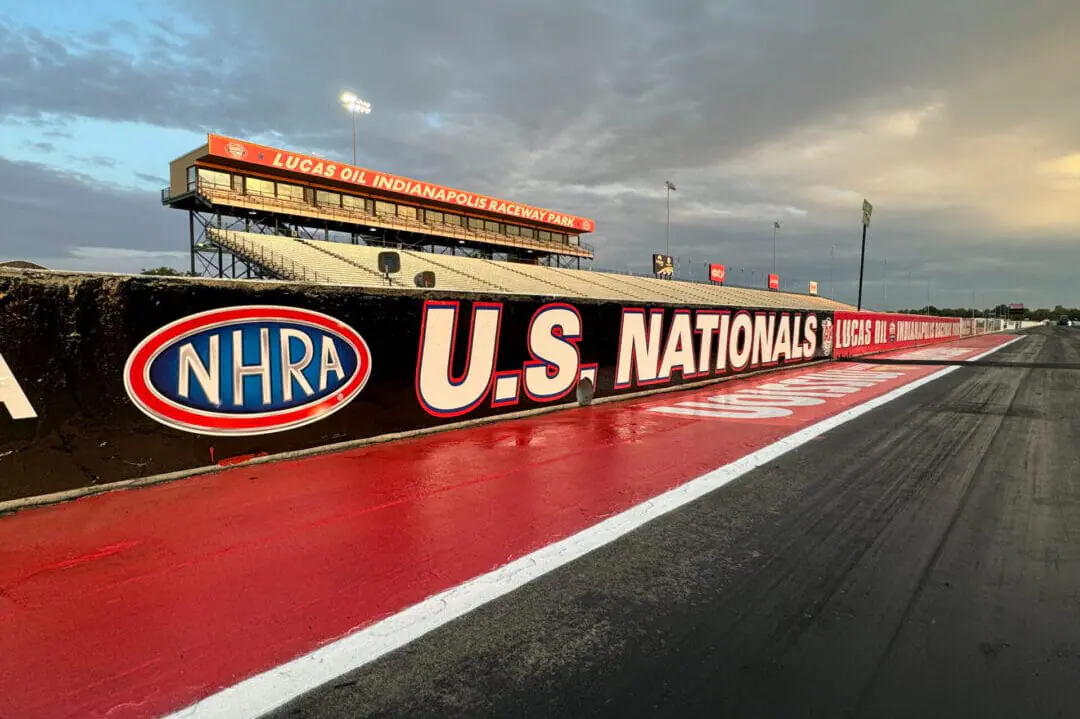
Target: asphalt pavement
921,561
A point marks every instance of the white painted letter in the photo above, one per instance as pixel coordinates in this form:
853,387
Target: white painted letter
295,370
207,377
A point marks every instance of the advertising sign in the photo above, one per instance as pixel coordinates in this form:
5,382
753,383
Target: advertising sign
263,156
663,265
774,282
859,333
813,287
717,273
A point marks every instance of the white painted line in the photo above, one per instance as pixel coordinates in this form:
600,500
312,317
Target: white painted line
264,692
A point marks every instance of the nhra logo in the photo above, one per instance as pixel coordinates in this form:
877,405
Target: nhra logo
892,331
827,337
247,370
236,150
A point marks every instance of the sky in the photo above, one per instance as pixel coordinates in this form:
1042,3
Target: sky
958,120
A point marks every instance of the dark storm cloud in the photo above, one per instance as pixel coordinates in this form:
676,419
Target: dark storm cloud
623,87
589,106
47,215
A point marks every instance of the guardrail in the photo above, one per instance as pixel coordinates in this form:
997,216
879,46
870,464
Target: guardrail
287,267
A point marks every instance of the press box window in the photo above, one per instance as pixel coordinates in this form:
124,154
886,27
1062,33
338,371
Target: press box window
327,199
219,180
409,213
491,226
434,217
255,186
385,208
290,192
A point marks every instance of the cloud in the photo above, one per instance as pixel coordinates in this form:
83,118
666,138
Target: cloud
49,215
156,180
960,120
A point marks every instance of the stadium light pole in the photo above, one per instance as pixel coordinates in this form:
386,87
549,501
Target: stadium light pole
775,227
867,209
670,188
354,106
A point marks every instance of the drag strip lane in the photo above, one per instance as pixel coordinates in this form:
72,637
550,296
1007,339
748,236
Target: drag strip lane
222,577
923,561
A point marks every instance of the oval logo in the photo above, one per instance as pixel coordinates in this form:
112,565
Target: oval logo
236,150
247,370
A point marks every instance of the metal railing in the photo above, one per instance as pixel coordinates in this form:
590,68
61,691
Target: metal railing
226,195
276,262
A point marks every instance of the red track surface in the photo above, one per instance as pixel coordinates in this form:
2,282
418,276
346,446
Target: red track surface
138,603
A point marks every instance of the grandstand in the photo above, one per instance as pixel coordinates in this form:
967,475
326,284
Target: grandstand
238,185
262,212
340,263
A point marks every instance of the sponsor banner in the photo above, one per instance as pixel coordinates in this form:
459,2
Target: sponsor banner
663,265
143,375
717,273
859,333
774,282
283,160
813,287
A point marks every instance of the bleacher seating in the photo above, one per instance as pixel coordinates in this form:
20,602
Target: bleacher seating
346,264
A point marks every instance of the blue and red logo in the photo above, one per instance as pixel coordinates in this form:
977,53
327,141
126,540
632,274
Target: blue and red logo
249,370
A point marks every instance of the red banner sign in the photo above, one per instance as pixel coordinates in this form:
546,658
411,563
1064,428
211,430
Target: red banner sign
774,282
859,333
717,273
263,156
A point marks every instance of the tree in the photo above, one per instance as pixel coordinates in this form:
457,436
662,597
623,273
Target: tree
166,272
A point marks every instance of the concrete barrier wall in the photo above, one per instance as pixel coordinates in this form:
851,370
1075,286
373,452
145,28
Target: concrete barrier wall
106,378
